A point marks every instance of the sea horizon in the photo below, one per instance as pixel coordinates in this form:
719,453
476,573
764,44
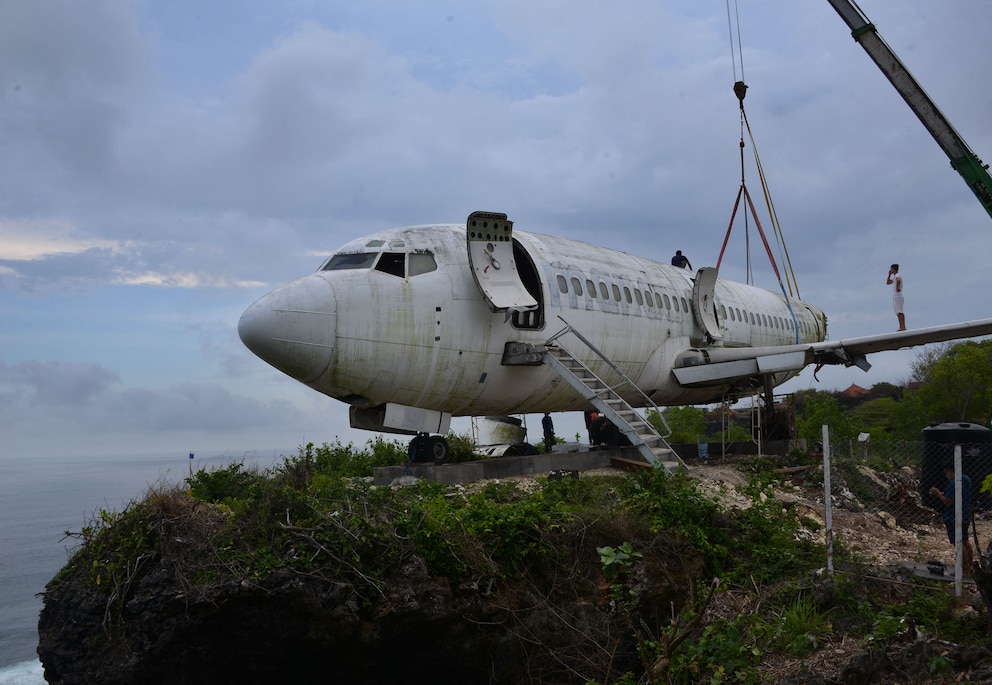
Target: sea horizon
44,500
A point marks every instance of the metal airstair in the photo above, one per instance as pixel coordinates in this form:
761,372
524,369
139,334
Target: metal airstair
643,437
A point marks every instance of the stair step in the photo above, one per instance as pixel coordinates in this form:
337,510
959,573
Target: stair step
652,448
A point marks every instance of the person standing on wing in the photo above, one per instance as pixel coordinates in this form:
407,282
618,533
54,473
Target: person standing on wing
895,279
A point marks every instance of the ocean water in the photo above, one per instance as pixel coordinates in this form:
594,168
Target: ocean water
41,499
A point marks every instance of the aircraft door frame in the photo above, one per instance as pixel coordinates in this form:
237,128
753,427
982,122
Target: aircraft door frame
532,319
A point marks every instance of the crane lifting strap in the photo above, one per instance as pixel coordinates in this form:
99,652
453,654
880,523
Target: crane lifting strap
740,89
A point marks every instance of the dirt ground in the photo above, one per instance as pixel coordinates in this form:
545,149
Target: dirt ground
894,532
895,535
894,528
891,532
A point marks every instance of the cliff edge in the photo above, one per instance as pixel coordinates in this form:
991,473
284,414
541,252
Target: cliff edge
359,585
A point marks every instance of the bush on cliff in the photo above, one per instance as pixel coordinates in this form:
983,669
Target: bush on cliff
626,551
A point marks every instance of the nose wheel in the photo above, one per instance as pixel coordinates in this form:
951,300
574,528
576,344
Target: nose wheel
427,448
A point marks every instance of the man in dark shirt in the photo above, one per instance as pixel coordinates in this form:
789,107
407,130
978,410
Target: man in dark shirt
947,499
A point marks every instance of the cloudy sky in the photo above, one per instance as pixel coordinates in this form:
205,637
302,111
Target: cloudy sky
166,163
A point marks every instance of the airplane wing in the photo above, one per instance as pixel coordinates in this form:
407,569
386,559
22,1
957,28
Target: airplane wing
698,367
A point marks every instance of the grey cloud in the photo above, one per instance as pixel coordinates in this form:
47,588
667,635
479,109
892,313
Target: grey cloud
73,271
68,71
314,96
191,406
80,396
56,384
229,249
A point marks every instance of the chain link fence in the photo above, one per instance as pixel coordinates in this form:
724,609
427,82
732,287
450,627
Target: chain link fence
890,497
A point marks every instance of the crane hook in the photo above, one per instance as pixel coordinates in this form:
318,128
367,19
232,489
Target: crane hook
740,90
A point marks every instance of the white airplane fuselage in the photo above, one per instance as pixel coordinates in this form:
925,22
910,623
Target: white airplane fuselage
398,317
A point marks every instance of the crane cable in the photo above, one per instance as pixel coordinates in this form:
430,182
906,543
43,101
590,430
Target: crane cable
740,88
773,215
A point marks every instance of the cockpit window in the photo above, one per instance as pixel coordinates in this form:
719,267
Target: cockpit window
353,260
421,263
392,263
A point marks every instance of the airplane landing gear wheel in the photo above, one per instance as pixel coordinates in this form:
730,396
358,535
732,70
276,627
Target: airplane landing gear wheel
429,448
438,450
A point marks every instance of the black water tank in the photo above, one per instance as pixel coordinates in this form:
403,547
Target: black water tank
976,459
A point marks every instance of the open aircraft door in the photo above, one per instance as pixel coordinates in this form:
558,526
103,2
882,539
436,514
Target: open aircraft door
820,324
703,298
490,254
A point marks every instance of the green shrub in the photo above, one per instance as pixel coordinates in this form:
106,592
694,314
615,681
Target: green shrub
675,503
462,448
725,651
223,483
800,627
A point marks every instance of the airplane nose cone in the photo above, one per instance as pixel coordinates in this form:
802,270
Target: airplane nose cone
293,327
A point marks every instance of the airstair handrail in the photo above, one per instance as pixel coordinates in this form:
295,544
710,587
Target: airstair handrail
570,329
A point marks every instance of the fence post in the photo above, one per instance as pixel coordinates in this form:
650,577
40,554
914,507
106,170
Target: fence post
958,512
827,505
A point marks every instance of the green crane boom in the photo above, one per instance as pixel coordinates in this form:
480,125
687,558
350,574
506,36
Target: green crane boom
966,162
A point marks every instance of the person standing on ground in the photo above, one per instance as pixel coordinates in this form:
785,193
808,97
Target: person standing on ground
947,499
549,431
895,280
590,415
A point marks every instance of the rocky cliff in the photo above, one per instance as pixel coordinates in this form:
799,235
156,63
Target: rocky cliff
163,609
299,577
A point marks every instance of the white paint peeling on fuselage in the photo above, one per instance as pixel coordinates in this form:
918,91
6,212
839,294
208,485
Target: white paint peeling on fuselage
432,341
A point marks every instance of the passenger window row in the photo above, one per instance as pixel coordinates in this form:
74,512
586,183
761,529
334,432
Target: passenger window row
769,321
612,292
618,293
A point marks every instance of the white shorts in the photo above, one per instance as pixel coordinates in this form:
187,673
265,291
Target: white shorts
897,302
